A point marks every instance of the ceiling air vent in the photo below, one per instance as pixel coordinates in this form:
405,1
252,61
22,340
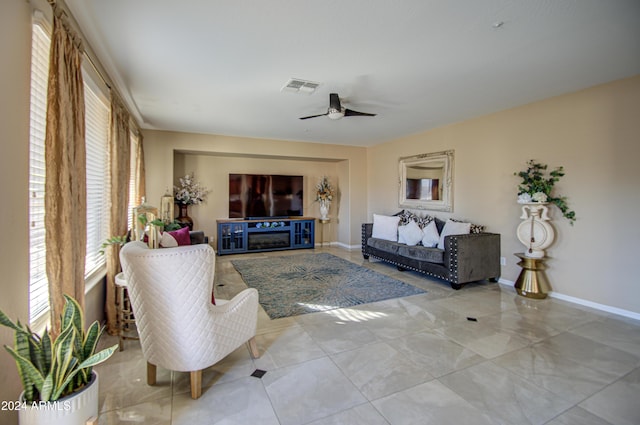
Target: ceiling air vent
295,85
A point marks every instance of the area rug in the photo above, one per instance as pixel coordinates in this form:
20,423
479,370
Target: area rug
305,283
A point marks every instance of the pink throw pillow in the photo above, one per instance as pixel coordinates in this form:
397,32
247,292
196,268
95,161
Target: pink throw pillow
181,236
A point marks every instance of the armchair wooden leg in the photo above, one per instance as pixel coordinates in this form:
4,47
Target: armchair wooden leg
253,348
196,384
151,374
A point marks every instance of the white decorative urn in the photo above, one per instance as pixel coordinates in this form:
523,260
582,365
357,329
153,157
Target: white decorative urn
535,232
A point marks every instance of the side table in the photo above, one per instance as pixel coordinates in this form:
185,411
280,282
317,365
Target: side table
532,281
123,311
323,222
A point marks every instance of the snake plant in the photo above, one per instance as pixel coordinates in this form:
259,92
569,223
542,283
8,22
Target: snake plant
50,370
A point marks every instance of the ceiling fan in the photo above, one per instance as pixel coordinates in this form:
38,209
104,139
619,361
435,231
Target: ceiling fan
336,111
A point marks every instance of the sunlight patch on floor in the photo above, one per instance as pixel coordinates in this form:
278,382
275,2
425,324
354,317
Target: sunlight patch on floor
346,314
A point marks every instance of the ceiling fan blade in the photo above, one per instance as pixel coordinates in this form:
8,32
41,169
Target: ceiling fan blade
334,102
352,113
314,116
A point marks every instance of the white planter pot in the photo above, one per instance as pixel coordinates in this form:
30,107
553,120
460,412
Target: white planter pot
75,409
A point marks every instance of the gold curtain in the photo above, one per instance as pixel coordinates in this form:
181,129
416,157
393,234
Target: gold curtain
140,172
119,167
65,181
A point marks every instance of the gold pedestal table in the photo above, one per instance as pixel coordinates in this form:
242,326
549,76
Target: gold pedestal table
532,281
323,222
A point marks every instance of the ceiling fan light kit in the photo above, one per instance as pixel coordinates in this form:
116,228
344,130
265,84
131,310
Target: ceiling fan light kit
336,111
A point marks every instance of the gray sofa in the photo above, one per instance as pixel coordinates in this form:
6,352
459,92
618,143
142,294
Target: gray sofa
198,237
465,258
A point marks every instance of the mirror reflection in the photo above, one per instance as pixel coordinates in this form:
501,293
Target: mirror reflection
425,181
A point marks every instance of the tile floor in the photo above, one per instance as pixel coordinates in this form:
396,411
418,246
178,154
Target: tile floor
415,360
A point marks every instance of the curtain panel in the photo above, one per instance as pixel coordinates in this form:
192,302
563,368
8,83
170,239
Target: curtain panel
65,180
140,172
119,169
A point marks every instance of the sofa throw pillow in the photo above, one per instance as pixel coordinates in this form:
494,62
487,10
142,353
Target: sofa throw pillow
424,221
385,227
431,236
182,236
175,238
475,228
453,228
167,241
410,234
406,217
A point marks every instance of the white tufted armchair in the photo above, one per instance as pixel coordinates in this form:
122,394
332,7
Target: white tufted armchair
179,328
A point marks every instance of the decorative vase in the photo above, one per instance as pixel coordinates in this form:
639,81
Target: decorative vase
324,209
535,231
184,218
74,409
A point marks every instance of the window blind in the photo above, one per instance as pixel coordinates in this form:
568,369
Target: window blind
133,190
97,136
38,283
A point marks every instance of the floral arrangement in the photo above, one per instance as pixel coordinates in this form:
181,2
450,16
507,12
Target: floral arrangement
189,192
536,186
324,191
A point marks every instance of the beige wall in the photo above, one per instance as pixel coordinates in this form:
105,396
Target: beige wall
15,50
594,134
170,155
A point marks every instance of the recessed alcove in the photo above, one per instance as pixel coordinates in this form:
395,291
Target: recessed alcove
212,170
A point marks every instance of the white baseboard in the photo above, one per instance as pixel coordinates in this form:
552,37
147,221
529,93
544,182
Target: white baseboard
586,303
342,245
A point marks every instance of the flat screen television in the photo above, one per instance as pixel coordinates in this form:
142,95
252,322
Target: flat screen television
265,196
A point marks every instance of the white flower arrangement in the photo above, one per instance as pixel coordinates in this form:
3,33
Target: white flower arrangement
189,192
525,198
539,197
324,191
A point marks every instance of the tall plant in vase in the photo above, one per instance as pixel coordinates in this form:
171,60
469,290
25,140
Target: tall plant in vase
324,195
189,192
534,193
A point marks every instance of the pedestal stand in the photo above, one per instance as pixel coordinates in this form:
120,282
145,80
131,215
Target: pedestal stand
532,282
323,222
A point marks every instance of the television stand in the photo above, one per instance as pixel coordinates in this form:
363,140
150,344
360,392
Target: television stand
237,236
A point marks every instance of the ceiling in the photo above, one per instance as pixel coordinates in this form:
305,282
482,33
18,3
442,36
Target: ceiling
210,66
